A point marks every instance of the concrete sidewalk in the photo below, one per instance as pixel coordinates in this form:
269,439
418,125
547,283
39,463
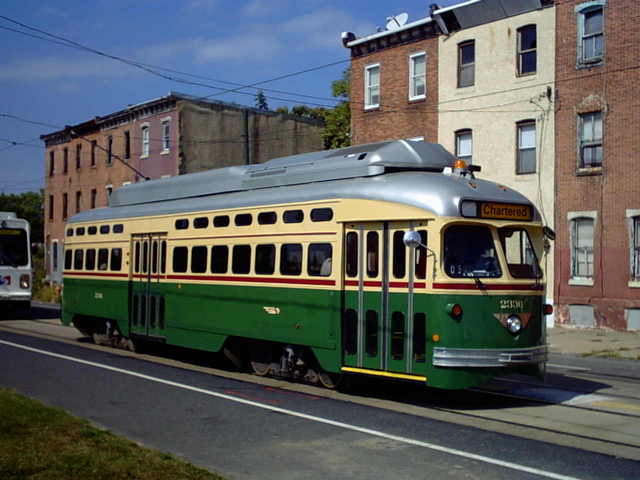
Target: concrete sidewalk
593,342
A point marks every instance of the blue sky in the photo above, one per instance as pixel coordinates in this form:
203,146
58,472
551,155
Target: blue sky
231,41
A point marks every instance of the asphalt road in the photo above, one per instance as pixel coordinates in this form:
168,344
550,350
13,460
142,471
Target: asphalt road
251,431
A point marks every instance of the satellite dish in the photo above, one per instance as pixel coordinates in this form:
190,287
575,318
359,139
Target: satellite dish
397,21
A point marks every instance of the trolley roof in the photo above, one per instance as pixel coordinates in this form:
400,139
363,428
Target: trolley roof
400,171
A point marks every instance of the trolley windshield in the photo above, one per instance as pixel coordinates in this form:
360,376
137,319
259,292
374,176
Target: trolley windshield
469,252
14,251
518,250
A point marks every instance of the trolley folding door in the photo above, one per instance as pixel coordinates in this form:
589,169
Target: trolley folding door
147,302
380,328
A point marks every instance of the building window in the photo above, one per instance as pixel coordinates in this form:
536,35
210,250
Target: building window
527,45
65,160
590,128
372,86
78,155
78,201
109,150
127,145
526,154
94,194
145,141
65,202
51,163
464,145
50,207
466,64
417,76
94,145
109,189
634,245
582,228
590,32
166,135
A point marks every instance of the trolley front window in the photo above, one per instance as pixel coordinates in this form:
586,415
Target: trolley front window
518,250
469,252
14,251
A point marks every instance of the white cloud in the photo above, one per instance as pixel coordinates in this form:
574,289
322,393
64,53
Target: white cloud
253,46
322,28
57,68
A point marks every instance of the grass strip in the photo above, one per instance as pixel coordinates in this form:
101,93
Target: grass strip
39,442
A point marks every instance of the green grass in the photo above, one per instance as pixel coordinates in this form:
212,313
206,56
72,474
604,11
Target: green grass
39,442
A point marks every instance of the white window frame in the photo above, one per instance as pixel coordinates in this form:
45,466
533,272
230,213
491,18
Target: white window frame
573,217
457,135
144,136
594,142
413,77
519,128
166,135
633,218
368,105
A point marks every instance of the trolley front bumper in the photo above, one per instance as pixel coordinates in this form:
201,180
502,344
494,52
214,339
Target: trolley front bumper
488,357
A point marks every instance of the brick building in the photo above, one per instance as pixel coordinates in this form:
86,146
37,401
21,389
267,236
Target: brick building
171,135
597,154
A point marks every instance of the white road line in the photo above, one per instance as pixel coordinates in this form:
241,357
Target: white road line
346,426
569,367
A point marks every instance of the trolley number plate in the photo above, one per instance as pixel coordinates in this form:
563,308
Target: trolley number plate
506,211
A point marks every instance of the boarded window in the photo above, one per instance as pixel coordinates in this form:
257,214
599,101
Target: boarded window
219,259
319,259
265,259
293,216
199,259
241,261
321,214
291,259
221,221
180,258
267,218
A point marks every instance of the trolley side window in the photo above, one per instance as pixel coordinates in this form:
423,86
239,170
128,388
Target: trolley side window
241,259
103,258
319,259
291,259
421,257
265,259
180,259
219,259
78,259
90,261
469,252
519,252
116,259
372,254
399,254
199,259
68,256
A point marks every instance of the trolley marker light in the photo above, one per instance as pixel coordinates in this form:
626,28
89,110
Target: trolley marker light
547,309
454,310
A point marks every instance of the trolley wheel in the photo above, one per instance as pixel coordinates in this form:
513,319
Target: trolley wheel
260,359
329,380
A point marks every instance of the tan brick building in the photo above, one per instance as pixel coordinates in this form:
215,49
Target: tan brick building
597,156
163,137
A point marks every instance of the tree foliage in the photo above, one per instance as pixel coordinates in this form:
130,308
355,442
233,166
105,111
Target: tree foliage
337,130
26,205
261,101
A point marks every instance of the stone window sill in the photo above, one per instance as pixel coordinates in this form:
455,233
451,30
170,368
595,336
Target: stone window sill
581,282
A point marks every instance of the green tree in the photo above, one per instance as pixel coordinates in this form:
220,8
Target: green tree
26,205
337,130
261,101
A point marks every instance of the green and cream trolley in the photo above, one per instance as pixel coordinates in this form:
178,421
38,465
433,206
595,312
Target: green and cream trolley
386,259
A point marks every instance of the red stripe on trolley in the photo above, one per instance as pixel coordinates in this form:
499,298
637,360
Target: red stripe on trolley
97,274
355,283
485,286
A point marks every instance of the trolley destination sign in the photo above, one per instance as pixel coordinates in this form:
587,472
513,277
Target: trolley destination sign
504,211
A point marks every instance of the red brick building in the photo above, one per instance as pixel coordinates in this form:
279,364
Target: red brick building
394,83
597,155
168,136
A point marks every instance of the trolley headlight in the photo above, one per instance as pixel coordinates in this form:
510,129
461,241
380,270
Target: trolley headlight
24,281
514,324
